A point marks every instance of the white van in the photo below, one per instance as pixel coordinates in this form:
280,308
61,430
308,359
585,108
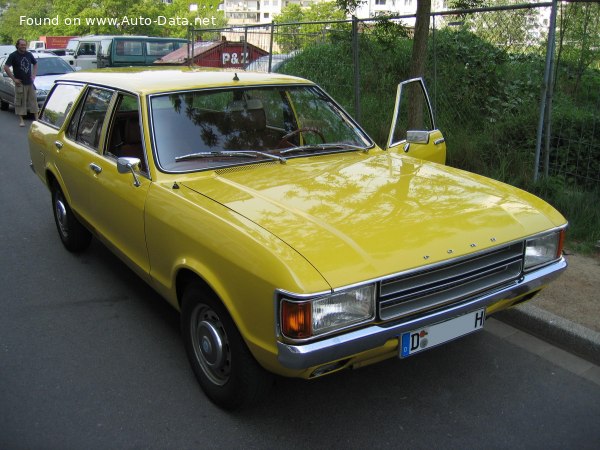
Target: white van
95,52
85,50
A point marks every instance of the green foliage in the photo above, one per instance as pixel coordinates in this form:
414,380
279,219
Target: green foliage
578,23
81,17
388,32
502,28
578,205
465,4
298,35
349,6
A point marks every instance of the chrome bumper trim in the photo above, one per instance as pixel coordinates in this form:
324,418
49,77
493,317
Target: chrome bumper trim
298,357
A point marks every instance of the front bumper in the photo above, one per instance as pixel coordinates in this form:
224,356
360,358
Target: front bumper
301,357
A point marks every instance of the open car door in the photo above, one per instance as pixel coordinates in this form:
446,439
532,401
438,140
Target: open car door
413,129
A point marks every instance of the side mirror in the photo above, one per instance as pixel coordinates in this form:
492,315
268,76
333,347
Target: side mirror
127,164
417,137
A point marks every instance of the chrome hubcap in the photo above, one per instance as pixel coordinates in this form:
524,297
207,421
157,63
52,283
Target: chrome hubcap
61,215
210,344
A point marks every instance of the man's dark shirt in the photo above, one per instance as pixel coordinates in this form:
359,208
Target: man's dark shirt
21,64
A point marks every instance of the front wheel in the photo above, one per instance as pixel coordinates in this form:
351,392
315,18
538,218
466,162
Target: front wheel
74,236
3,105
226,370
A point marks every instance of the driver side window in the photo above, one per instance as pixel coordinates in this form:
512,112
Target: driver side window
413,112
125,133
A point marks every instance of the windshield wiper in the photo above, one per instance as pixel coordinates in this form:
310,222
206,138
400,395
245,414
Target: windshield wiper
314,147
230,153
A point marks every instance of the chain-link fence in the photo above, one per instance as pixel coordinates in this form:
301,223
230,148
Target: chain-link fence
487,72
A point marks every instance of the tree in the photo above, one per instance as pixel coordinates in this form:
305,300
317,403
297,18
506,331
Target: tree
505,28
578,44
417,63
299,34
80,17
349,6
465,4
419,51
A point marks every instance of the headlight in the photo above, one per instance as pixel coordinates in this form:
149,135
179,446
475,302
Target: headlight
305,319
543,249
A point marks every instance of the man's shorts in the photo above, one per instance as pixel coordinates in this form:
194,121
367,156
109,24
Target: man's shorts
25,99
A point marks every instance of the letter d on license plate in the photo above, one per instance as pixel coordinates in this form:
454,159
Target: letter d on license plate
425,338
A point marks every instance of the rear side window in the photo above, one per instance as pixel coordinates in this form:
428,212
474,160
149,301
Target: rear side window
129,48
59,103
160,48
87,122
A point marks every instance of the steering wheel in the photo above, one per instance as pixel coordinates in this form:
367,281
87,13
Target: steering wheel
301,130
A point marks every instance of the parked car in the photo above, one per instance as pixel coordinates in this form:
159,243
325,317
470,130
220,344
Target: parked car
50,67
288,240
51,51
6,49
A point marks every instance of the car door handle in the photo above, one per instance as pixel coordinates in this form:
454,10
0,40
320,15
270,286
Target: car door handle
406,147
58,144
96,168
439,141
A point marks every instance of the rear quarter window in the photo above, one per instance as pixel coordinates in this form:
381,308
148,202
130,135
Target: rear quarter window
59,103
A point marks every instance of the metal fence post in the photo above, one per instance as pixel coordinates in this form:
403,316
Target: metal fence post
546,87
190,43
356,64
245,48
271,45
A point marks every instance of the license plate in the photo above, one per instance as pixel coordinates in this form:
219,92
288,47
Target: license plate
431,336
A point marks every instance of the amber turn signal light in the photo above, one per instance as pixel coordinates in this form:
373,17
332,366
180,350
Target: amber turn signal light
296,319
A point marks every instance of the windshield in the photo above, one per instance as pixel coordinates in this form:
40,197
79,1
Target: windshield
52,66
72,45
207,129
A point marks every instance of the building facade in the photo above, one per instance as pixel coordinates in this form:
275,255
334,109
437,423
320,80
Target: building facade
250,12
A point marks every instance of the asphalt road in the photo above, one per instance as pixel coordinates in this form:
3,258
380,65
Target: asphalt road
90,357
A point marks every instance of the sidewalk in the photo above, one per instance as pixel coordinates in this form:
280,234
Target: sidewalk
567,312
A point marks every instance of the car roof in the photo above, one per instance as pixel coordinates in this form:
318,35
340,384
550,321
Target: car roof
149,80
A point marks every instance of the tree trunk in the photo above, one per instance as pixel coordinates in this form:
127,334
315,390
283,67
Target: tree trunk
419,50
417,63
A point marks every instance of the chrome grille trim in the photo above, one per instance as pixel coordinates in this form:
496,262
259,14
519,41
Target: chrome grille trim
450,283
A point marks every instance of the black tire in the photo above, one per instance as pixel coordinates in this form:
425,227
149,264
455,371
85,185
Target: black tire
3,105
74,236
226,370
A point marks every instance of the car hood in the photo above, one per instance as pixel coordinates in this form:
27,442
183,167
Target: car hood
359,217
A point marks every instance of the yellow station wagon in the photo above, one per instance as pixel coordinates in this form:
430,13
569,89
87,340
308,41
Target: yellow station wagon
288,240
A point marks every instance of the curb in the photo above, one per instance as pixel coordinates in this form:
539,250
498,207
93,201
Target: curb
559,331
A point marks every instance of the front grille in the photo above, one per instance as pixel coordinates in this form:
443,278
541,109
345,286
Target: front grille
451,283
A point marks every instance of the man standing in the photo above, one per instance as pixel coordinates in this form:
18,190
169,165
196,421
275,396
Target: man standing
24,70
